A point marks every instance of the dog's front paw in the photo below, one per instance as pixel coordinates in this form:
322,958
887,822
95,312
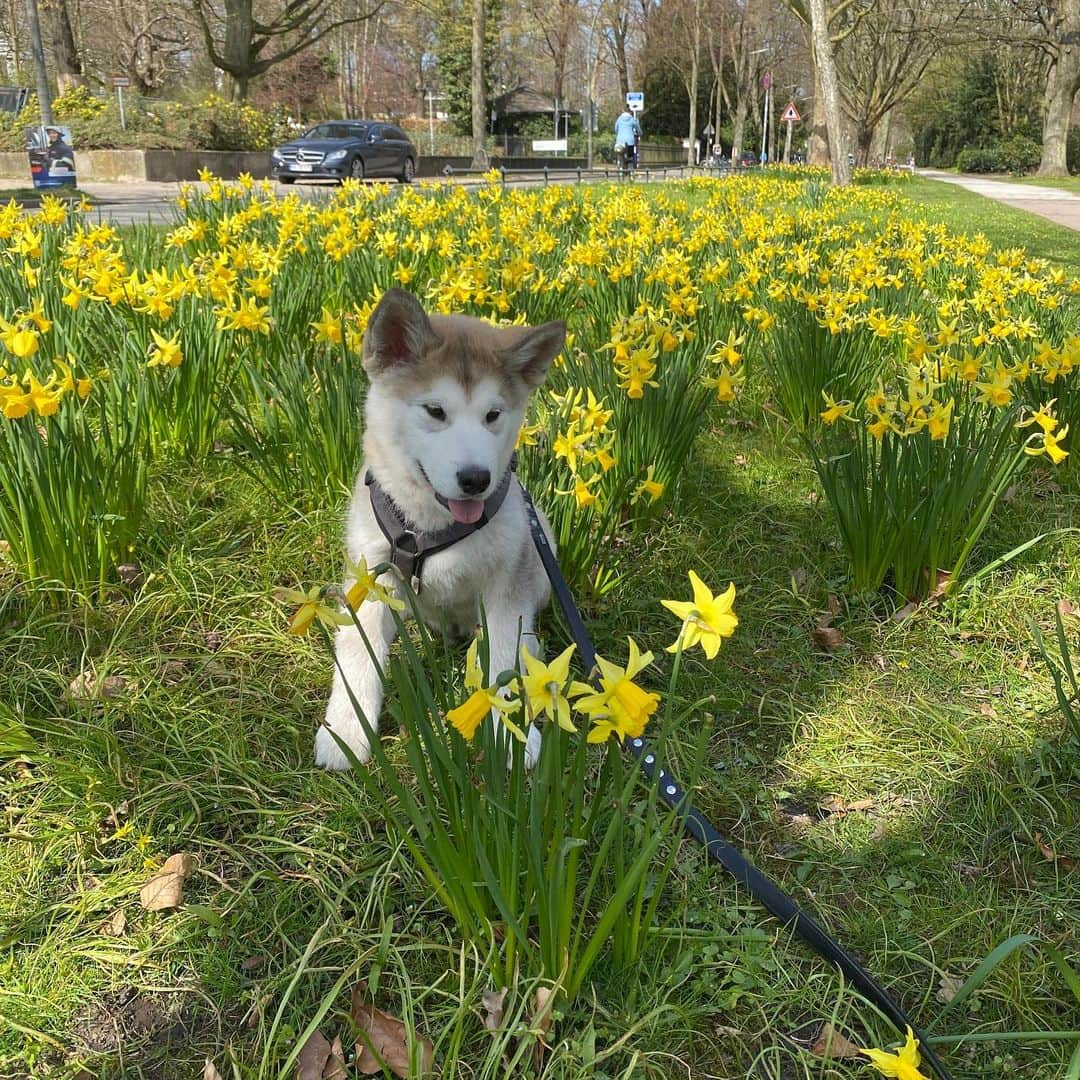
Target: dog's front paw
347,727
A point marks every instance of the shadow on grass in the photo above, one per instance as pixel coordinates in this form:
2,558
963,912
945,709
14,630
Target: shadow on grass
206,749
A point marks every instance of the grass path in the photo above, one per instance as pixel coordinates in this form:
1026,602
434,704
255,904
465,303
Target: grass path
899,785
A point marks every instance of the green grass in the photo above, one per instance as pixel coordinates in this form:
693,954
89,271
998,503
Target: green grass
1006,226
1065,183
939,727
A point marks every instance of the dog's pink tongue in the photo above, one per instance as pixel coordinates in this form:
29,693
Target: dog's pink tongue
467,511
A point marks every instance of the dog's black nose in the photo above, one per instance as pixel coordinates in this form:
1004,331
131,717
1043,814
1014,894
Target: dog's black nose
472,481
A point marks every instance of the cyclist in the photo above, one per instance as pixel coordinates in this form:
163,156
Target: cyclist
627,137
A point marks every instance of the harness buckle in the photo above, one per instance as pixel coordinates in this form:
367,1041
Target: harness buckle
407,559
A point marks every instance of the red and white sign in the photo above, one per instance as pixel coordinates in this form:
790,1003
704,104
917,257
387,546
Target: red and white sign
791,114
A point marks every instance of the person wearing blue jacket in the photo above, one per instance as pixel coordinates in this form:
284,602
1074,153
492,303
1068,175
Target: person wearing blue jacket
627,137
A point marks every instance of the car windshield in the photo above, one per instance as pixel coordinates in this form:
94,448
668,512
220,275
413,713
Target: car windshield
335,131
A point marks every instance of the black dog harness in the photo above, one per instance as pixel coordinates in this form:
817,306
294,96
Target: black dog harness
409,547
408,551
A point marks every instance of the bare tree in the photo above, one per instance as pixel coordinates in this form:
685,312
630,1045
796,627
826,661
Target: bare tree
825,68
1060,23
67,60
244,43
479,89
882,61
617,25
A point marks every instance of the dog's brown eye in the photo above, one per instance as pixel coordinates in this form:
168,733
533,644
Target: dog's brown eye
436,412
492,416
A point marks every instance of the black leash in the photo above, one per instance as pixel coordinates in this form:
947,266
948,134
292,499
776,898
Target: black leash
761,887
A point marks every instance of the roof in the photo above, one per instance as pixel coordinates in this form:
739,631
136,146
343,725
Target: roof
524,99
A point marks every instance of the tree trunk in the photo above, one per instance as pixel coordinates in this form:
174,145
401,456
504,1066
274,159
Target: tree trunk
619,27
69,69
479,98
818,148
692,82
1062,82
41,74
742,89
825,68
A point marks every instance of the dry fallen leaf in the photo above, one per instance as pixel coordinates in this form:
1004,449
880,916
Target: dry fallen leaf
798,578
826,637
87,687
314,1055
493,1008
334,1069
837,806
115,926
1067,608
543,1002
831,1044
740,460
986,709
900,614
1050,855
833,604
166,888
941,584
210,1071
948,988
383,1039
129,573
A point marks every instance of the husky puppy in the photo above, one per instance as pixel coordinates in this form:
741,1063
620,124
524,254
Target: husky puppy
446,399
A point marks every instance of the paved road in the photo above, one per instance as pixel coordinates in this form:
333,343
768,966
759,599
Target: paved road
142,201
1059,206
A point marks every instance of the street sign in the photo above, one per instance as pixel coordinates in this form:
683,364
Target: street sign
766,80
790,113
708,130
121,80
635,100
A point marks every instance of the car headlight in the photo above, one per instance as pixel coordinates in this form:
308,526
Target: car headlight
275,156
335,156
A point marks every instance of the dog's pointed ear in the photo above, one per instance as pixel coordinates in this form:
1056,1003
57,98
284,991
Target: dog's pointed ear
529,350
398,332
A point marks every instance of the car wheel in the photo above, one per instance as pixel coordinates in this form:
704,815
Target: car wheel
408,171
356,169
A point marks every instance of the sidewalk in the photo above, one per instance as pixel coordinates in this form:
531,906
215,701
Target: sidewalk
1054,204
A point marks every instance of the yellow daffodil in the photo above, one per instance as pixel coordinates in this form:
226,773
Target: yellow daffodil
467,717
328,328
653,489
707,619
1043,417
365,586
543,685
19,341
620,708
903,1065
312,607
728,351
165,351
1049,443
940,419
835,410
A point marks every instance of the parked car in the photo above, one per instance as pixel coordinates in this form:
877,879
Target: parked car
748,157
346,148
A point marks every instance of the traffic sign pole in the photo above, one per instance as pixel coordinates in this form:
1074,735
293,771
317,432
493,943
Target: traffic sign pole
790,115
120,81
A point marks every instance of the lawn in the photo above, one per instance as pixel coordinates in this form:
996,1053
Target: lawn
906,779
1006,226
